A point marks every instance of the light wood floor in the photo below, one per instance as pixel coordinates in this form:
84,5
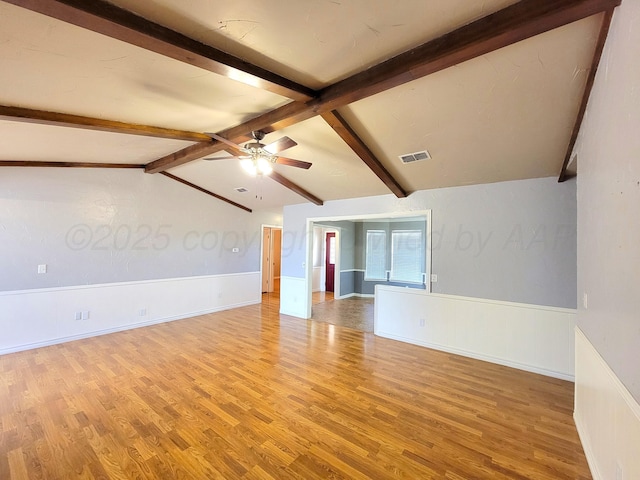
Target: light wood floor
351,312
249,394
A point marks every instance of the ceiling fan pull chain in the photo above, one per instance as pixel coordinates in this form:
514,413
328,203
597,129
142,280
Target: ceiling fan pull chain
260,181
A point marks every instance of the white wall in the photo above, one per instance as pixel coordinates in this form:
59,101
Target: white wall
318,274
293,296
608,152
116,242
608,149
528,337
606,415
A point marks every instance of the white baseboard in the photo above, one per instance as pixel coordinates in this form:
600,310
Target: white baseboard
359,295
534,338
37,318
606,415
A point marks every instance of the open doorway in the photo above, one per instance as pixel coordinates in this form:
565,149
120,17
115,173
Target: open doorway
389,249
271,259
325,263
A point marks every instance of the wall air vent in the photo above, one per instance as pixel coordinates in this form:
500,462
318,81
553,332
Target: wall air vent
414,157
241,190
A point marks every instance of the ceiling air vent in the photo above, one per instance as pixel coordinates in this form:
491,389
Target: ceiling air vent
241,190
414,157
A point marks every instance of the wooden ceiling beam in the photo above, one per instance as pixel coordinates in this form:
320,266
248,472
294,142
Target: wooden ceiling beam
285,182
204,190
512,24
597,54
30,163
236,134
27,115
115,22
351,138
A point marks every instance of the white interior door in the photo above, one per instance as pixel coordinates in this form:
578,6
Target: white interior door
267,274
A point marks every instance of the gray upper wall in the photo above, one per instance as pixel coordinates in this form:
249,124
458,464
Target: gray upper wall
608,152
511,241
94,226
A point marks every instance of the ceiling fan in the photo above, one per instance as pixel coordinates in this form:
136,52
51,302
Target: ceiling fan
256,157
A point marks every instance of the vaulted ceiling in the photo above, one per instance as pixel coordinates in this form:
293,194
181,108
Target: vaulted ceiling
494,90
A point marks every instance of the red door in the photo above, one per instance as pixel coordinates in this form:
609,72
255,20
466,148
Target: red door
330,261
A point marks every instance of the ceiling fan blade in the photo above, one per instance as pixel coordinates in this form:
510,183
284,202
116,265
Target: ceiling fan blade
226,142
293,163
280,145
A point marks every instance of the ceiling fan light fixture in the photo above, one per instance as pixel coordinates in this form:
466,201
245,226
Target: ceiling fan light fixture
249,166
264,166
256,166
257,158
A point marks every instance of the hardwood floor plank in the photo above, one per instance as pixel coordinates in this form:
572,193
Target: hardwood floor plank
250,394
17,466
257,473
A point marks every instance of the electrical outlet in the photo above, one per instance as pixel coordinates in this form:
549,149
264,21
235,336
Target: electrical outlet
85,315
619,475
235,249
434,278
142,312
42,268
422,322
78,316
585,301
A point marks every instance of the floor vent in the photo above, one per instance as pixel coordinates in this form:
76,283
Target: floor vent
241,190
414,157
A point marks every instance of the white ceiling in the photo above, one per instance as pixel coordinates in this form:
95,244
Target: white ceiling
505,115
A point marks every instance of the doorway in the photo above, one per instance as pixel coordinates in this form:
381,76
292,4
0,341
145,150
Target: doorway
325,244
350,260
271,259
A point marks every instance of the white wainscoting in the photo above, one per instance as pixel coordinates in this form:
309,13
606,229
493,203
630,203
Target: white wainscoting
529,337
293,297
606,415
36,318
